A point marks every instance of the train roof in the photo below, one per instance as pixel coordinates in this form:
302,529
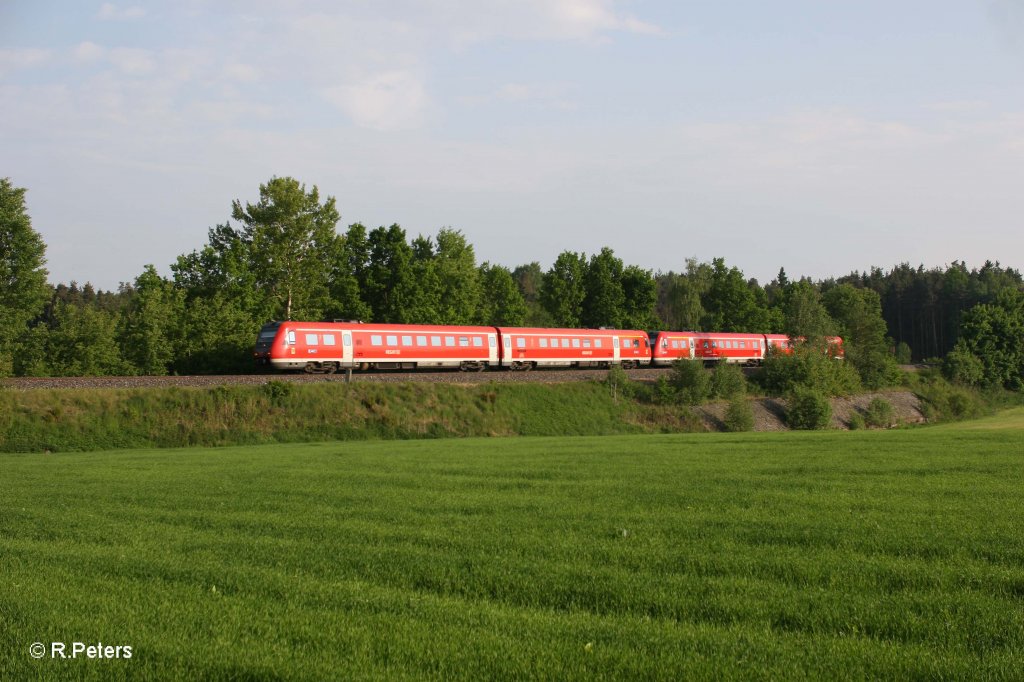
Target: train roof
571,332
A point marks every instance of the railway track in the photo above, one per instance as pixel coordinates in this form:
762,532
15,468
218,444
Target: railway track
549,376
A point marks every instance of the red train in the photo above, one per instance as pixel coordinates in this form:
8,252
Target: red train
326,347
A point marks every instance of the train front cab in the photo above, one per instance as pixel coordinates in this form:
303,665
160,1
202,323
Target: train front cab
316,348
264,343
667,347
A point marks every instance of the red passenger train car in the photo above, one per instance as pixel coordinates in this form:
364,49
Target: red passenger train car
329,346
780,343
747,349
526,348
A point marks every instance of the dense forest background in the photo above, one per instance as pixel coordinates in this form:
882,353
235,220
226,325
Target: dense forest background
285,258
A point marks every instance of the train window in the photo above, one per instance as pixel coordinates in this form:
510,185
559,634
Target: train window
543,343
478,342
421,340
554,343
376,340
449,341
291,338
565,343
615,341
757,344
743,344
575,343
330,340
714,344
346,339
675,344
464,341
311,340
407,340
494,341
586,343
435,341
520,342
597,343
508,342
392,340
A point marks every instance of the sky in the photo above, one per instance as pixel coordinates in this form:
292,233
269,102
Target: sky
822,137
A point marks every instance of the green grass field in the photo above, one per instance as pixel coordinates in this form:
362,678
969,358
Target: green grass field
829,555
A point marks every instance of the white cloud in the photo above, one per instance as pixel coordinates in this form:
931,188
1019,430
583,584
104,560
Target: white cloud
22,58
110,11
242,73
393,100
467,22
587,18
132,61
87,52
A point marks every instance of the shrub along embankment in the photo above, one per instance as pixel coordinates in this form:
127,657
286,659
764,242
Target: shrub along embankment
97,419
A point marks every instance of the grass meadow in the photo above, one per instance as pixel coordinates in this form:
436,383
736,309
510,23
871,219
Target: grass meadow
836,555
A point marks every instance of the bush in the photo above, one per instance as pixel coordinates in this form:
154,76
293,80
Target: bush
856,422
963,367
808,409
619,383
903,354
278,391
739,416
691,381
663,393
943,401
727,381
880,414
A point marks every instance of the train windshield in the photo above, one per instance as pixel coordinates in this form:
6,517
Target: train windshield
268,332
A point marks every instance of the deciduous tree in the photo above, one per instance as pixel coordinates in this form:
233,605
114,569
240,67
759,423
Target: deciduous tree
291,238
563,290
23,288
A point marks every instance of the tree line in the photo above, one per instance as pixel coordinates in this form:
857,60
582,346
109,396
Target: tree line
284,257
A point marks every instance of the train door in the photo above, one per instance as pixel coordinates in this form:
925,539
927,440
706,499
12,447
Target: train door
346,349
492,343
615,349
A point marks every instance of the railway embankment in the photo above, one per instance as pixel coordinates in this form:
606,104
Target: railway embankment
84,418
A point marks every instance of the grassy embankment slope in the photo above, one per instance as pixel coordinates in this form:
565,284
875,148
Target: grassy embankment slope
61,420
829,555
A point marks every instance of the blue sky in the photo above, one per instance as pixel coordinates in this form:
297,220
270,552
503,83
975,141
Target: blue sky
817,136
